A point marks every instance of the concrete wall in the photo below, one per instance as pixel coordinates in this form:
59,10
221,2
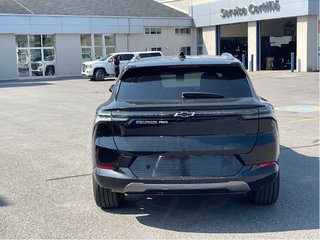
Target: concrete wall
167,40
209,40
122,42
8,59
252,44
307,43
68,54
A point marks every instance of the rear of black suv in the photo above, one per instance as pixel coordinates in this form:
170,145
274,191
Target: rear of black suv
185,127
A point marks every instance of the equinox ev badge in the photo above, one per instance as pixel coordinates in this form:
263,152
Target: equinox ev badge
151,122
184,114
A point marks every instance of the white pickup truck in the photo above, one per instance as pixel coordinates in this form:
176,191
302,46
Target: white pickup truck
101,68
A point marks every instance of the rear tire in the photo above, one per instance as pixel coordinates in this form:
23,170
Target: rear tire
267,195
105,198
99,75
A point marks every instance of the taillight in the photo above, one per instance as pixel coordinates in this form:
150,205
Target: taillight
267,111
102,116
105,167
106,116
267,164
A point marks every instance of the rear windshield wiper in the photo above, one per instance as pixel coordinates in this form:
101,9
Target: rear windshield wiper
201,95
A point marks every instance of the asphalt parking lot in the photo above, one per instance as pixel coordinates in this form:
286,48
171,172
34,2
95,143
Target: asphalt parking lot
45,166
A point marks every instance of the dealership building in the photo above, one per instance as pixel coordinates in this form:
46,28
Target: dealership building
262,32
42,38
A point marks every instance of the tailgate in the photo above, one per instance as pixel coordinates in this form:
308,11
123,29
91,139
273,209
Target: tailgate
185,132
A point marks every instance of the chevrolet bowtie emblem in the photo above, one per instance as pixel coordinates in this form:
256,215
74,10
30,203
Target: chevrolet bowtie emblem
184,114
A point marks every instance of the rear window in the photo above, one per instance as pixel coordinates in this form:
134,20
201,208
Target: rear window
169,82
146,55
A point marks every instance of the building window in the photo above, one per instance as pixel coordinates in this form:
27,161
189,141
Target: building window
199,41
85,40
35,40
22,41
98,46
152,30
95,46
109,43
199,50
182,30
36,55
186,50
155,49
48,40
86,48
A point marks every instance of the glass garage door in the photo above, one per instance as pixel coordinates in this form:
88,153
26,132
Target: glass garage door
278,41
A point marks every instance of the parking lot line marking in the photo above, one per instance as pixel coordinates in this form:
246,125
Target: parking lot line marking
283,148
73,176
299,108
304,120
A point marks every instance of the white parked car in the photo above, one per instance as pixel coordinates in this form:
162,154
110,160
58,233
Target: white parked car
44,68
101,68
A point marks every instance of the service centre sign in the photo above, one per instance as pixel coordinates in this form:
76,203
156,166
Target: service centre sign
266,7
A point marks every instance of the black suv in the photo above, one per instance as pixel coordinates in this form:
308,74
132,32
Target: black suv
190,125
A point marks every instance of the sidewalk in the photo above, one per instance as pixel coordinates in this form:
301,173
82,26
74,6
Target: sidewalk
283,74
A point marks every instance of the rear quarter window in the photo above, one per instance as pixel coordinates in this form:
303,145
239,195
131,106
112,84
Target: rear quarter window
169,82
126,57
146,55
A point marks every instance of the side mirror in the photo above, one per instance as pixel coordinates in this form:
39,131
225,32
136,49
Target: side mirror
110,60
111,88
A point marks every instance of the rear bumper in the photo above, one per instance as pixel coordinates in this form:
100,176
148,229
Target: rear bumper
232,186
248,179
